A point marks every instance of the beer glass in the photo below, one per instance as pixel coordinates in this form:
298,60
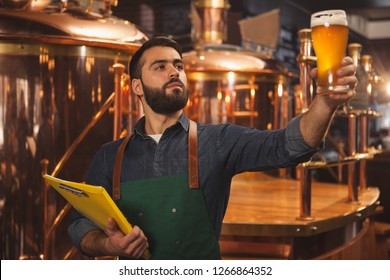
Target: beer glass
329,31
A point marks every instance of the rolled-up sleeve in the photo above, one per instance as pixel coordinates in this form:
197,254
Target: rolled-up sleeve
79,228
295,143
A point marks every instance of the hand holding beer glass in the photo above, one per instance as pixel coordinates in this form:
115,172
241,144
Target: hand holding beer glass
329,35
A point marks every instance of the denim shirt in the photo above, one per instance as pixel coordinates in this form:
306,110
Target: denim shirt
224,150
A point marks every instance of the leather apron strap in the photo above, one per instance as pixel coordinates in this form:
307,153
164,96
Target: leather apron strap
116,178
192,161
193,155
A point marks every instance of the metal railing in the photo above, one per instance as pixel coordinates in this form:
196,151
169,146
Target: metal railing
357,129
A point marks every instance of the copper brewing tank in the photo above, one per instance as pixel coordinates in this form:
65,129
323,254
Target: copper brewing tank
57,74
230,83
234,86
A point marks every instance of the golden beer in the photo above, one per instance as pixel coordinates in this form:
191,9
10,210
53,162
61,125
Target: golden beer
329,35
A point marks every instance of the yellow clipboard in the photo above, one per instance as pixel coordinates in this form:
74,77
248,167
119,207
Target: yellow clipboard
93,202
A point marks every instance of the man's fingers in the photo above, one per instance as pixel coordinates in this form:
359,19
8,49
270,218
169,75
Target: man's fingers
142,249
346,70
137,243
112,227
131,245
346,61
136,234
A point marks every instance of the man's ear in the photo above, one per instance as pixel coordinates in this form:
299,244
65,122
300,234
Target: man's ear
136,87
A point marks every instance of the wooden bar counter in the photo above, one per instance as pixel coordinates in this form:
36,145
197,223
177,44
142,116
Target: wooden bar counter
261,221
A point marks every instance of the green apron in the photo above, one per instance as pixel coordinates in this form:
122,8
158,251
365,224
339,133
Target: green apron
172,215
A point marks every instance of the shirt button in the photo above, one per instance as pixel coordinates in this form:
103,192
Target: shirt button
178,242
140,214
173,210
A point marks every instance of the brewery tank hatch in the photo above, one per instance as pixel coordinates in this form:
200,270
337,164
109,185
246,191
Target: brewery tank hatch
56,78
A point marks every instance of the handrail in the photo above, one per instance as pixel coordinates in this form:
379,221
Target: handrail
305,186
330,170
58,219
70,253
343,161
82,135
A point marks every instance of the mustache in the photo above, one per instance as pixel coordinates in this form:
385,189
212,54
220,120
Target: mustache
173,80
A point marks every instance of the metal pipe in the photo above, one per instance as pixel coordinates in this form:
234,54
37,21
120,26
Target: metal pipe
364,129
341,155
352,180
354,50
119,69
306,60
209,21
276,124
367,63
363,149
305,195
45,189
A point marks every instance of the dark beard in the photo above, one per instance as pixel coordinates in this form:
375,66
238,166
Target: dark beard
163,103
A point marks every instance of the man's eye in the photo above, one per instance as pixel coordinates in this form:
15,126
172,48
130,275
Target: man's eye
180,66
160,67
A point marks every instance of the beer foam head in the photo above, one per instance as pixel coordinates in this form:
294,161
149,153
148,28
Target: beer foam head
329,17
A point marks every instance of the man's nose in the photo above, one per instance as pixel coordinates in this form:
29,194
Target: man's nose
173,72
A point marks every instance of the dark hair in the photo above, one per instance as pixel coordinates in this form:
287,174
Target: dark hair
136,64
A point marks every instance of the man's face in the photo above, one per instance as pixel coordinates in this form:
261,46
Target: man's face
164,81
163,102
